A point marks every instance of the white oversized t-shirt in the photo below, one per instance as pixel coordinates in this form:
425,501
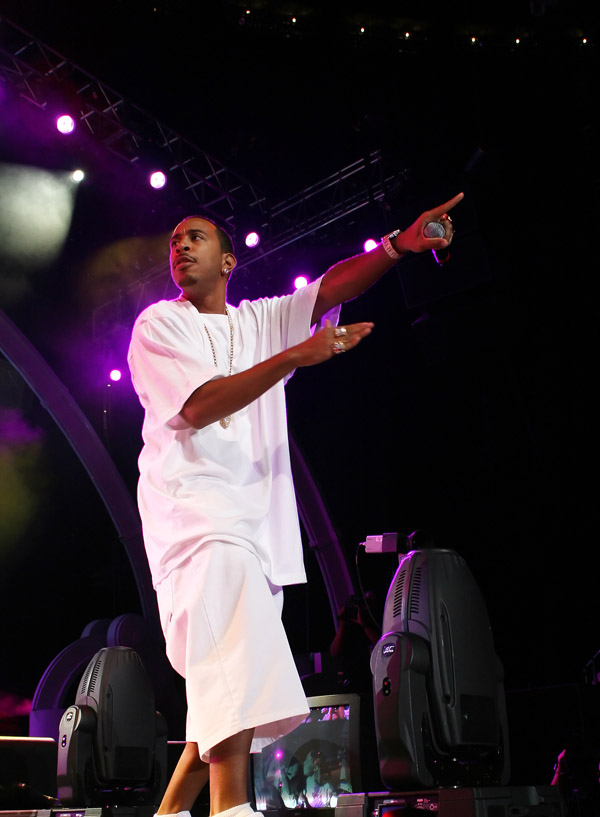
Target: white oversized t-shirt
230,484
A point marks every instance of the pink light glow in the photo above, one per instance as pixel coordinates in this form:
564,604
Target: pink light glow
158,179
252,240
115,375
301,281
369,244
65,124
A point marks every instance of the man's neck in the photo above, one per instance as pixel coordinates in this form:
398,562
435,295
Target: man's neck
213,304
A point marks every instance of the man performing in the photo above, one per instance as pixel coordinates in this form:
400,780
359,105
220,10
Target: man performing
216,496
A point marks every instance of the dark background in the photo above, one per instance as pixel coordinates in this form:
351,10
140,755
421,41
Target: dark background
471,410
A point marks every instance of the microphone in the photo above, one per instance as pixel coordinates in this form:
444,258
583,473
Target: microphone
435,229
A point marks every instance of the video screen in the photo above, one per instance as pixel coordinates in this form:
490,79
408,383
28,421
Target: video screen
308,768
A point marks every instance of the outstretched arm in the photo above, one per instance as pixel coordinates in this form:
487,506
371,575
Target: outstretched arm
344,281
348,279
224,396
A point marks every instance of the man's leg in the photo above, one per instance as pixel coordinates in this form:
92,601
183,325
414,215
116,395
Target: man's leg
188,780
229,772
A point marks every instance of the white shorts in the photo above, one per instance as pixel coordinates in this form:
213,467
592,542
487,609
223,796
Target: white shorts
222,623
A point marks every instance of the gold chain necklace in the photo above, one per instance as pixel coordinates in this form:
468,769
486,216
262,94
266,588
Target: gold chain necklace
226,420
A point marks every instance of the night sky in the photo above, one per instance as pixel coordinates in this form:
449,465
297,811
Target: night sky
470,411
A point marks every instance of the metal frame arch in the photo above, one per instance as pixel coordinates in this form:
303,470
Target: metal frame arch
92,454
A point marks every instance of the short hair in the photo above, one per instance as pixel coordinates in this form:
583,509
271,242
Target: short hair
225,239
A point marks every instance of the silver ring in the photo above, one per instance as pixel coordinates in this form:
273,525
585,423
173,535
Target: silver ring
337,347
339,330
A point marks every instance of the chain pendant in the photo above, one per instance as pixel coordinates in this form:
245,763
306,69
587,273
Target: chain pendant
225,421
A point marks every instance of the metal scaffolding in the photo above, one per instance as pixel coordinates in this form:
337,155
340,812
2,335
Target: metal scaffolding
37,72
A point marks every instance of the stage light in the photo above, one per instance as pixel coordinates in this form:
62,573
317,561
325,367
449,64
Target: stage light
406,35
158,179
115,375
65,124
301,281
473,40
31,196
369,244
77,176
252,240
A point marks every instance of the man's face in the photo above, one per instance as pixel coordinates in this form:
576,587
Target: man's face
195,255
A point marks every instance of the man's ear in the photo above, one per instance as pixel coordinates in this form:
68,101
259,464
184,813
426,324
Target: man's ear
229,262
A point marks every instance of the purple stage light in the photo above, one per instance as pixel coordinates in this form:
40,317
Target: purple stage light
369,244
158,179
301,281
252,240
115,375
65,124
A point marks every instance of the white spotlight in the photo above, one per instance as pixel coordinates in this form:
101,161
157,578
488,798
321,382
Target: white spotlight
301,281
77,176
65,124
158,179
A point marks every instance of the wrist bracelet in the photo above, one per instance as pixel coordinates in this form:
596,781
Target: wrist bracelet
387,245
